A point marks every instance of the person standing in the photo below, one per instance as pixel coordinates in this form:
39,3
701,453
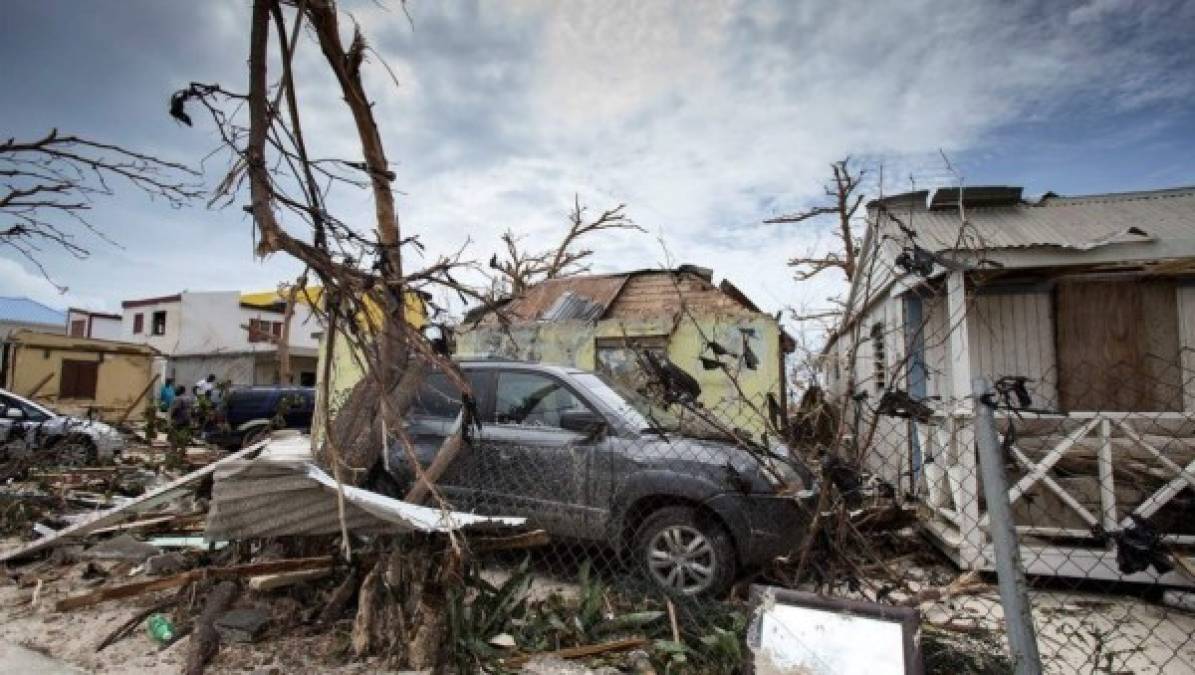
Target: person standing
166,395
203,388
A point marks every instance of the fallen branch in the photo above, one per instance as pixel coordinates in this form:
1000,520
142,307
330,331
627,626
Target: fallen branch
269,582
580,652
205,641
965,584
184,578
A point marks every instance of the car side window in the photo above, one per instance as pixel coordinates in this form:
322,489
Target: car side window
437,397
531,399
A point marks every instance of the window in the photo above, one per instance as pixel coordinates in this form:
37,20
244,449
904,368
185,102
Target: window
261,330
32,413
158,327
532,400
138,323
79,328
307,378
620,358
78,379
437,397
879,358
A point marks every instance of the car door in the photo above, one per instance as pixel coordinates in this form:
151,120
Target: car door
538,469
430,420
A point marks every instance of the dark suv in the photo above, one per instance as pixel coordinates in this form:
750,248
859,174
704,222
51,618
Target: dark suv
248,414
588,460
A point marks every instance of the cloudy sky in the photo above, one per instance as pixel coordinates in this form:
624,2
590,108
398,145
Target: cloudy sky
703,117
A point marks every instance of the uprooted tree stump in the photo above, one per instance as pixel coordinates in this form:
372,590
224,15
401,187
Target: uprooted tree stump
401,600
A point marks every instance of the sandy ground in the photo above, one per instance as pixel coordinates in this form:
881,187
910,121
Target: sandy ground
1092,632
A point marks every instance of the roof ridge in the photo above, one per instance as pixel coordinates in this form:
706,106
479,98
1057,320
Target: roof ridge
1110,197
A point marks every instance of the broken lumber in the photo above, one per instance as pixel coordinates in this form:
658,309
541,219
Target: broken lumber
184,578
166,493
205,640
966,584
513,542
268,582
583,651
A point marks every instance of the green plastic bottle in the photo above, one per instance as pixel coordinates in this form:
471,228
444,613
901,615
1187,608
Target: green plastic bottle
160,629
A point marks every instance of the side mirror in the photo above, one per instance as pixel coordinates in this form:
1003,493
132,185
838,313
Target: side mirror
581,421
14,413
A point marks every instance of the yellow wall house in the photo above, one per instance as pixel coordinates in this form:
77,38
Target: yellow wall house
346,370
600,322
75,374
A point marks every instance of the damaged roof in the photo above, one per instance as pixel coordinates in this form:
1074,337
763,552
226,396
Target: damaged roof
24,310
998,218
634,294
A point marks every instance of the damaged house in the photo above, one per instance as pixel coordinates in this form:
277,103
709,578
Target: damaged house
607,322
230,334
1083,310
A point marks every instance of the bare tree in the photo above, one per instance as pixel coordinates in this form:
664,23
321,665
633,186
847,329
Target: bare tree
846,199
519,269
50,184
367,291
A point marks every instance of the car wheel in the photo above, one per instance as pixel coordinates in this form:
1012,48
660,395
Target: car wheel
685,553
73,452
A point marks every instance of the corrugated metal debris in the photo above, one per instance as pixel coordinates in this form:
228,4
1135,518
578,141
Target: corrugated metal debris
275,496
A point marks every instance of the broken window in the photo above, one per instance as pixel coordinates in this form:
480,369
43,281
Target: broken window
138,323
79,328
879,358
532,400
158,327
620,358
78,379
437,397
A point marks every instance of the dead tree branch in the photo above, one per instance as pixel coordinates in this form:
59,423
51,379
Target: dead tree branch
843,190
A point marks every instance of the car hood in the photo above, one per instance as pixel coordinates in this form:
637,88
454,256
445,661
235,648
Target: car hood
716,459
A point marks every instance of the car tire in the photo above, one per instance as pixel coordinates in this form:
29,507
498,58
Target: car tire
73,451
685,552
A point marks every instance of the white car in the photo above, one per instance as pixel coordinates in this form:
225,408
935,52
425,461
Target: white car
28,428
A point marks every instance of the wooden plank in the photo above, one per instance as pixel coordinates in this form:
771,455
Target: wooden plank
232,572
1157,500
1107,480
1055,488
140,397
960,349
269,582
37,388
1049,461
623,645
1119,345
162,495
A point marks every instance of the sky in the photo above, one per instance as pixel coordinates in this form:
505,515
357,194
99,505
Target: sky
705,118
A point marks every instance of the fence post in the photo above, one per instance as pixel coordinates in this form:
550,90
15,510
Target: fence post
1014,593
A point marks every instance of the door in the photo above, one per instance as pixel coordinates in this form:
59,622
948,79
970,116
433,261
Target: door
538,469
1118,347
430,420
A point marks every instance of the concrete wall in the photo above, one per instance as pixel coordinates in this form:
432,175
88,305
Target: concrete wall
168,342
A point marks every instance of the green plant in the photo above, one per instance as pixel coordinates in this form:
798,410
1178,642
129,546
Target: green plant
479,611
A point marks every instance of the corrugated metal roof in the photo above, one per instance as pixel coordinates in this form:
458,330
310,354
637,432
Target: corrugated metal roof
535,302
24,310
1069,222
572,306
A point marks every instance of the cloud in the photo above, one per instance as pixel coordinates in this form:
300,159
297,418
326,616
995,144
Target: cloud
704,116
16,281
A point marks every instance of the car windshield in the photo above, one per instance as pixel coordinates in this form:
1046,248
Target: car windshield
632,405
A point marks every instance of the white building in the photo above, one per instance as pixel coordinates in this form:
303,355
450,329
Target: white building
225,333
1092,299
89,324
